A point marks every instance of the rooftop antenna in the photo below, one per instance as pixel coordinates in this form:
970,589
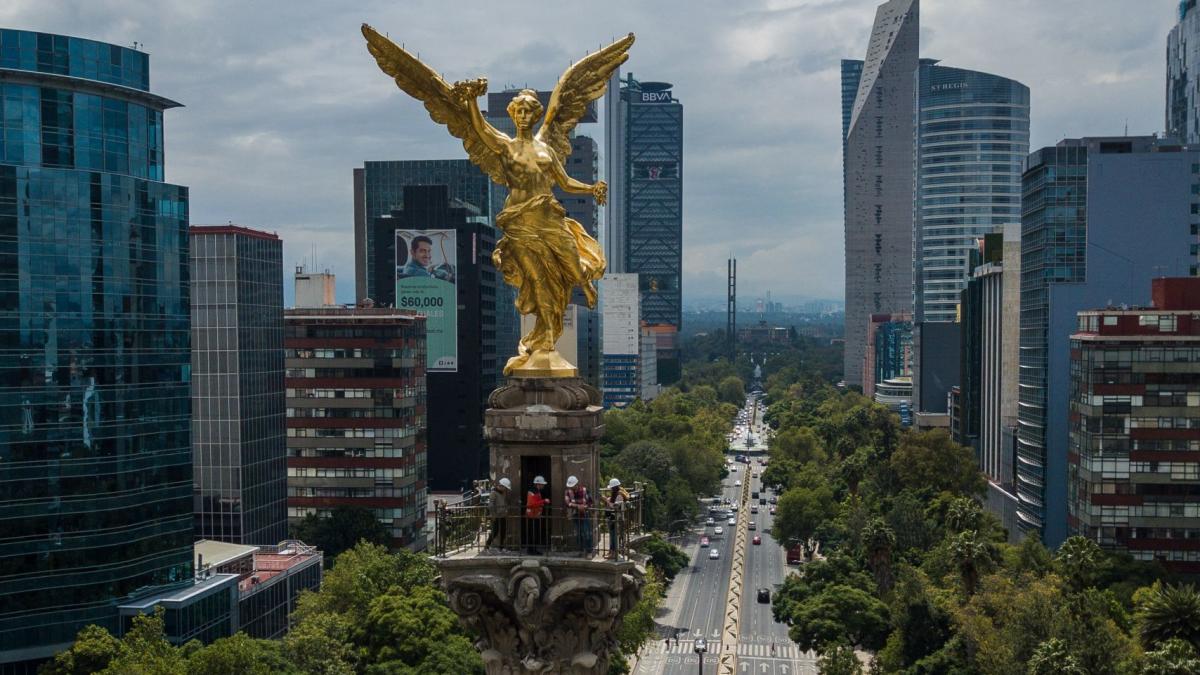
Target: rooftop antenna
1126,126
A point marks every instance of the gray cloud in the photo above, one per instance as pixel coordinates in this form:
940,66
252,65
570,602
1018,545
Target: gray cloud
283,100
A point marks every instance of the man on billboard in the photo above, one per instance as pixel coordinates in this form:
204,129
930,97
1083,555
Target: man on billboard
419,259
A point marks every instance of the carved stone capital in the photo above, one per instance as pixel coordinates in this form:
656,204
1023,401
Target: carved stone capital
542,615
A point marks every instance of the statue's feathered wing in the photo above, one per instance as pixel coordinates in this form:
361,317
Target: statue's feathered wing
583,83
424,84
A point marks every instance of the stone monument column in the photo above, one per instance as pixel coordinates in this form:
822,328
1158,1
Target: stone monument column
555,611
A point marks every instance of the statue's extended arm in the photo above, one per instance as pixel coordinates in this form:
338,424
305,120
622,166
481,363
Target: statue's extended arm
469,91
599,190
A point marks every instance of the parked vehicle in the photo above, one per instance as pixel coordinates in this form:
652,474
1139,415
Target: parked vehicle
795,554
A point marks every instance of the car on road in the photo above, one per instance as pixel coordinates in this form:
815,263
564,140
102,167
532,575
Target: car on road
733,507
774,499
754,508
710,522
732,522
703,542
772,510
764,595
737,483
757,540
762,500
753,526
713,554
718,530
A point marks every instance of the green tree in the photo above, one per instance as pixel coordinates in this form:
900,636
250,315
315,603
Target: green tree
649,459
321,645
838,659
972,555
1173,657
638,625
797,444
411,632
932,460
666,557
241,655
801,511
732,390
962,514
341,530
146,651
362,574
878,542
840,615
1169,611
1053,657
1078,561
93,650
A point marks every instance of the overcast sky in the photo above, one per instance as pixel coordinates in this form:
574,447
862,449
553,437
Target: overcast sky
283,100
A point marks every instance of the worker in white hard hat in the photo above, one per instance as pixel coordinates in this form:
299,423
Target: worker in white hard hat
498,509
535,522
614,500
579,503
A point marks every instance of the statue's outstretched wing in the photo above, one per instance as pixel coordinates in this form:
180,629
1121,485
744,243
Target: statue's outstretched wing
583,83
423,83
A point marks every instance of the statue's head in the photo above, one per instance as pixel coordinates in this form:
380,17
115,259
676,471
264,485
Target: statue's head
525,109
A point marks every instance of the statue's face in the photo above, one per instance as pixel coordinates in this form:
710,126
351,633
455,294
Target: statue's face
523,115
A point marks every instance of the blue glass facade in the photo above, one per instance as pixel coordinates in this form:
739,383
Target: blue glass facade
95,457
973,136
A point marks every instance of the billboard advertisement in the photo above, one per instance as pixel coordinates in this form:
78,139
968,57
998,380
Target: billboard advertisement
427,283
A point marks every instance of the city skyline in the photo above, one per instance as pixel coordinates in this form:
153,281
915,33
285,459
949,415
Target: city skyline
263,93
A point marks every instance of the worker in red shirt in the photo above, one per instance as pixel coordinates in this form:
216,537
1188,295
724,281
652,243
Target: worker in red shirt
535,521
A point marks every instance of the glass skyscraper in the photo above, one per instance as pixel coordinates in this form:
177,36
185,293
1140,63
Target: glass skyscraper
238,404
644,125
1183,75
972,139
1079,251
95,462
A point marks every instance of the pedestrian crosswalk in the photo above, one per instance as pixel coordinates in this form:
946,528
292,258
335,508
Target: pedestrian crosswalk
758,650
766,651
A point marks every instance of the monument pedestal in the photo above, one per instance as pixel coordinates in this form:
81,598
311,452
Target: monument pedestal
556,611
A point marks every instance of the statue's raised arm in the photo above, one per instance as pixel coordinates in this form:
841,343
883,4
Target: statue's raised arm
453,106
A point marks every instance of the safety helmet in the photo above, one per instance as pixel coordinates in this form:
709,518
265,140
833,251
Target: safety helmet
506,483
539,481
615,482
572,481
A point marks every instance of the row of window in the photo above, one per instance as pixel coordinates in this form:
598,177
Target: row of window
385,516
401,392
387,452
354,353
369,432
378,473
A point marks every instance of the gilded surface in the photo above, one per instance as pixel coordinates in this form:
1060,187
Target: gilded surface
543,253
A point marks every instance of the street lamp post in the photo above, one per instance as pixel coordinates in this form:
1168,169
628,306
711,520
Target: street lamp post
700,648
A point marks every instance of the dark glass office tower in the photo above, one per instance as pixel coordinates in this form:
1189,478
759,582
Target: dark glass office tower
238,406
648,179
95,457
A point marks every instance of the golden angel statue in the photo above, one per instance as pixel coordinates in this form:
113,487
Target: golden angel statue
543,253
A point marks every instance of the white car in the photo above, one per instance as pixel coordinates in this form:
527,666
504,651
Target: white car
732,522
710,522
718,530
713,554
733,507
738,483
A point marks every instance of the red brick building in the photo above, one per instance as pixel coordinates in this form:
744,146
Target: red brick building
1134,454
356,418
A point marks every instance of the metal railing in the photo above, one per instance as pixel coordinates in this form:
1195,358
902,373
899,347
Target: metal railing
469,525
